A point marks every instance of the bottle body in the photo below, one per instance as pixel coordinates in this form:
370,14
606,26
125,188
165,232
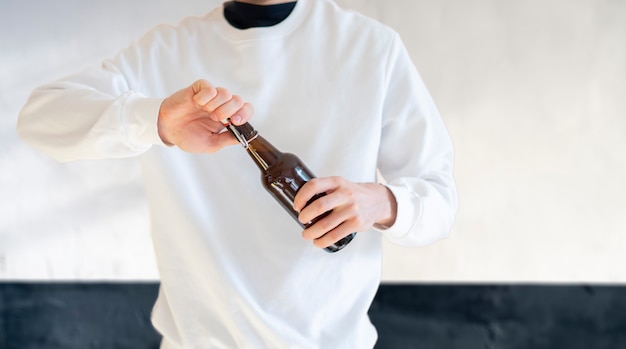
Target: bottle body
282,175
284,180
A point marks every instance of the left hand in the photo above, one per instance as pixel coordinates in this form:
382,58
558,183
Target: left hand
356,207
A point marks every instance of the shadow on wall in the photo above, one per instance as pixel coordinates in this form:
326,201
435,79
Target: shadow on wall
116,316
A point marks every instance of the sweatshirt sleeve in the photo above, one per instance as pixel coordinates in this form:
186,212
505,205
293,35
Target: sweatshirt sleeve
93,114
416,157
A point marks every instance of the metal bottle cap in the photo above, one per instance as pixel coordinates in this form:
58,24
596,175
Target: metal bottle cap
244,133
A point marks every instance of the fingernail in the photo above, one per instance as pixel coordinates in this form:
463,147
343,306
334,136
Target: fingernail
236,119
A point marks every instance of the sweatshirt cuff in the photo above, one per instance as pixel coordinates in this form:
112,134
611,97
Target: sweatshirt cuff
408,213
144,115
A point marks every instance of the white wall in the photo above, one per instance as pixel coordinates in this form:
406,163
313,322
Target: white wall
533,93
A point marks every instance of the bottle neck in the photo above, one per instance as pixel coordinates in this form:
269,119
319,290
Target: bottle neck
263,152
260,149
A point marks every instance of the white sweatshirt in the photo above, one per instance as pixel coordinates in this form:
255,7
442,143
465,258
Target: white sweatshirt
332,86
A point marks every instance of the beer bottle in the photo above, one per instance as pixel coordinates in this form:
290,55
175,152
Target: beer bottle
282,174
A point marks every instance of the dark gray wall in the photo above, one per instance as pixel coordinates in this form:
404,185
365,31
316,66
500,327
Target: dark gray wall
116,316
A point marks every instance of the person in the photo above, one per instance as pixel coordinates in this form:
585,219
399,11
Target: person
328,84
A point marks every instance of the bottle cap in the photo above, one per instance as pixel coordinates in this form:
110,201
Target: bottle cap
244,133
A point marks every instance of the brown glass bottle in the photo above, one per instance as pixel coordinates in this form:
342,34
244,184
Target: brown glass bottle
282,174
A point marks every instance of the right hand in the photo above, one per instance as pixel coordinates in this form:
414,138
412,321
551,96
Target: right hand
191,118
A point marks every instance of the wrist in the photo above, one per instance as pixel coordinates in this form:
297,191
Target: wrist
161,128
389,206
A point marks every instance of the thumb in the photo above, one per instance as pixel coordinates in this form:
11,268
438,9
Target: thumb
221,140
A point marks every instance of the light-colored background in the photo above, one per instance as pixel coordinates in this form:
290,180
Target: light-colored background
533,93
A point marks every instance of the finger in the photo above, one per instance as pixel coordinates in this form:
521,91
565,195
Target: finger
324,225
222,97
222,140
199,85
212,142
319,206
323,238
203,92
243,114
228,109
313,187
333,236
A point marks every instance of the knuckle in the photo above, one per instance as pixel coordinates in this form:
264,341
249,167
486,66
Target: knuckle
351,195
326,226
220,114
224,93
317,184
320,204
306,235
237,100
334,236
201,84
352,209
248,108
359,222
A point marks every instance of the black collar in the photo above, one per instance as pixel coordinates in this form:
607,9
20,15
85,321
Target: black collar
243,15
